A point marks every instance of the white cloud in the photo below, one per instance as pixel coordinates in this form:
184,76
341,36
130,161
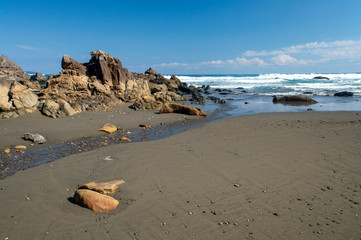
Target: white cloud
340,49
284,59
215,62
25,47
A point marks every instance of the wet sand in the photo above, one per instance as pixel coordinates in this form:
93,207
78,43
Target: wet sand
266,176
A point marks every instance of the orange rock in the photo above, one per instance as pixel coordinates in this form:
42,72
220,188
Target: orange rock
144,126
7,151
109,128
124,139
104,187
95,201
179,108
20,147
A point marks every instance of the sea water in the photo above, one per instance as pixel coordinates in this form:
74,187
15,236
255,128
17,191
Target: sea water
253,93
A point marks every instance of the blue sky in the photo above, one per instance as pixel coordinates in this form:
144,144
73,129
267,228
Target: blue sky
254,36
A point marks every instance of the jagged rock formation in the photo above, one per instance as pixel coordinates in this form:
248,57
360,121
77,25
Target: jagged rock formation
10,71
103,82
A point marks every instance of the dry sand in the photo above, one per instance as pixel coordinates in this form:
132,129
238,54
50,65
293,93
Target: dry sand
298,176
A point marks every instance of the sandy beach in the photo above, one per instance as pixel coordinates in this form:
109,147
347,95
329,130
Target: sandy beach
265,176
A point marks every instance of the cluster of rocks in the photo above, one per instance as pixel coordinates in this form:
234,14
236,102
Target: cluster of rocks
95,196
98,84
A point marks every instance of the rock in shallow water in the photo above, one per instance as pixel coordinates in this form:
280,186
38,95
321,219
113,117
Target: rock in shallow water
178,108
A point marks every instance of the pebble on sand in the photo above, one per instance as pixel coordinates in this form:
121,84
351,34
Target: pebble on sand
20,147
7,150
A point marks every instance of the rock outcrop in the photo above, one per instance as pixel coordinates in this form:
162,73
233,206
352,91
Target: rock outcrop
16,99
10,71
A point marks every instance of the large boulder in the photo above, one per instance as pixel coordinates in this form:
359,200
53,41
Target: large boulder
183,109
10,71
67,63
16,99
156,78
107,68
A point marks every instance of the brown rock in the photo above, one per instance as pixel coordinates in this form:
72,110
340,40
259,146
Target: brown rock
124,139
5,105
107,188
10,71
95,201
108,128
179,108
20,147
293,99
7,150
69,63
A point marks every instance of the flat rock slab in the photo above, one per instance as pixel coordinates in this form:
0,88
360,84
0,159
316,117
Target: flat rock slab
183,109
95,201
108,128
107,188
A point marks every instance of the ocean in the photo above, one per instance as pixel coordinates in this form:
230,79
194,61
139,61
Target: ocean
256,90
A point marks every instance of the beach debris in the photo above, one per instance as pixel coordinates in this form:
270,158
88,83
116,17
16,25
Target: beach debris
108,158
183,109
144,126
7,150
95,201
108,128
107,188
35,137
125,139
20,147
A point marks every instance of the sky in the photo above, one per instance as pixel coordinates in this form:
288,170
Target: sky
186,37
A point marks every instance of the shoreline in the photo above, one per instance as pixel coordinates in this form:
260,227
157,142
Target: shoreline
298,177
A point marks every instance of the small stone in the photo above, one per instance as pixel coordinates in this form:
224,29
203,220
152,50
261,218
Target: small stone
20,147
95,201
107,188
124,139
108,158
7,150
190,213
27,199
220,223
164,223
236,185
35,137
213,202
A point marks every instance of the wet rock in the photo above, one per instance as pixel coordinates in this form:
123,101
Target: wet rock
95,201
35,137
294,100
321,77
107,188
197,99
179,108
343,94
108,128
217,100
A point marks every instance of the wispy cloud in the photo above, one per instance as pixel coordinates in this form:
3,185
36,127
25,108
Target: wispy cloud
25,47
173,64
308,54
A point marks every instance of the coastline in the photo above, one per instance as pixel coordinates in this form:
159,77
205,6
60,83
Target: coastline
298,177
